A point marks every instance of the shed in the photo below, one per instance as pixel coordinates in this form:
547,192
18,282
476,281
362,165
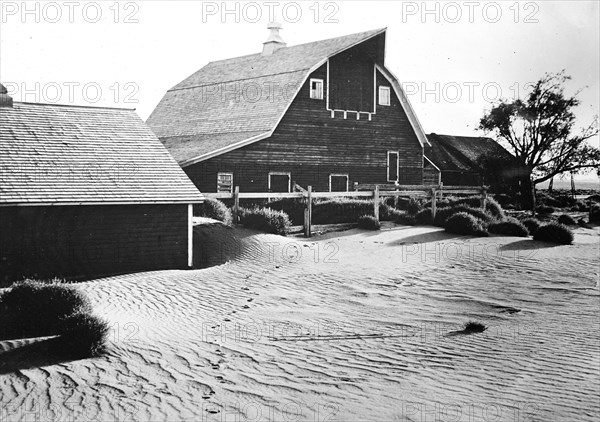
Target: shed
88,191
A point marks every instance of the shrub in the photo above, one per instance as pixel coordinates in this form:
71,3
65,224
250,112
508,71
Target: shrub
532,224
567,220
595,213
509,227
215,209
405,218
423,217
544,209
34,307
266,220
342,210
442,214
474,327
293,207
368,222
83,335
492,207
390,214
414,206
463,223
555,233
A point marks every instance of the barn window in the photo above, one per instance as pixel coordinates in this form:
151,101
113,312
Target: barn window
316,89
224,182
280,181
338,183
384,95
392,166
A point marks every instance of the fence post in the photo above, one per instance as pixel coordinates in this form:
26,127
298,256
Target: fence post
308,213
433,204
441,191
483,197
236,204
376,202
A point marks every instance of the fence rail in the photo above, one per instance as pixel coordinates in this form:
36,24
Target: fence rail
376,192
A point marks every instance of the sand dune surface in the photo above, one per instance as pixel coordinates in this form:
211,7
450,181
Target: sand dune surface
347,326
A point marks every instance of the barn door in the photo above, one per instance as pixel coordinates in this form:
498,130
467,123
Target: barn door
392,167
279,182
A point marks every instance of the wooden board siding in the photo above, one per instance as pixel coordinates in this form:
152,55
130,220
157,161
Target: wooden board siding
86,241
311,145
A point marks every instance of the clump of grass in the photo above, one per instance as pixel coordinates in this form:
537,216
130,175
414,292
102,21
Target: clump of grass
83,335
508,227
33,308
595,213
414,206
532,224
368,222
424,218
266,220
405,218
463,223
554,233
567,220
443,214
215,209
472,327
545,209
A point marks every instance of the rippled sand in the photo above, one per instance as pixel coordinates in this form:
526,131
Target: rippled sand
348,326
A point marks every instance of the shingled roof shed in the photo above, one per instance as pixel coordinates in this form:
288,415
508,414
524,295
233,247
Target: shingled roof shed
87,191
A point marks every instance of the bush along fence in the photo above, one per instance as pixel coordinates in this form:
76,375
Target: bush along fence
376,193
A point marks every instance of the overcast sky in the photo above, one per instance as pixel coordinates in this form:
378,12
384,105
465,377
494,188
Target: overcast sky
452,57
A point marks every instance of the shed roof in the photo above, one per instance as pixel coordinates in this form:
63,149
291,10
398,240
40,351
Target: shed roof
57,155
464,153
233,102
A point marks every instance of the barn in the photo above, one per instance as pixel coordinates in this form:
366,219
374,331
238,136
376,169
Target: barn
326,114
87,191
472,161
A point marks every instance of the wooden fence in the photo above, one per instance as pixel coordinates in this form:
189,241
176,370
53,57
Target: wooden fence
374,192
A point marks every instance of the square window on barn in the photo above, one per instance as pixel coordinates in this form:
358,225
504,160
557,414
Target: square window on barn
392,166
224,182
280,181
338,183
316,89
384,95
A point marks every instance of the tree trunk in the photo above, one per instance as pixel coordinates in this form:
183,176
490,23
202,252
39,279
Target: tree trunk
527,194
551,185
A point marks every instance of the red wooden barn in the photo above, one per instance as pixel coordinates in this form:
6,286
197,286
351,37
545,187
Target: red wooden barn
328,114
86,191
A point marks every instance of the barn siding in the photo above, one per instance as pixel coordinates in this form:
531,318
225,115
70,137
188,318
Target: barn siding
86,241
311,144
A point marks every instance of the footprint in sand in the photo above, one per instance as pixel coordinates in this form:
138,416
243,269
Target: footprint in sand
246,307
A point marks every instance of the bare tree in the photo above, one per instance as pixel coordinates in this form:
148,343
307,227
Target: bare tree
539,131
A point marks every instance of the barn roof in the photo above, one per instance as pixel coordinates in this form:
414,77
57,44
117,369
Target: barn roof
57,155
463,153
231,103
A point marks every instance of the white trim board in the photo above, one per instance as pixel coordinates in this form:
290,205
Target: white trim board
410,113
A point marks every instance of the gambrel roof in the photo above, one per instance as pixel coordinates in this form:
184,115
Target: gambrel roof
231,103
71,155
